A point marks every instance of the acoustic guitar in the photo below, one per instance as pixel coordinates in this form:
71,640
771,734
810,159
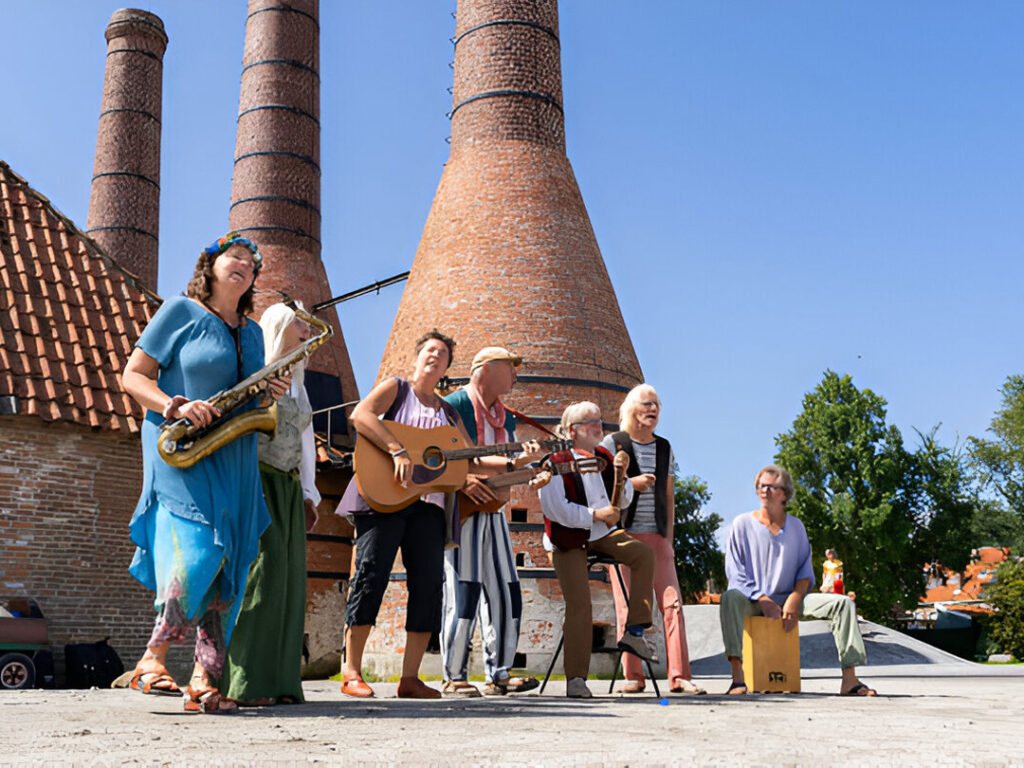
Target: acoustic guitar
440,462
500,483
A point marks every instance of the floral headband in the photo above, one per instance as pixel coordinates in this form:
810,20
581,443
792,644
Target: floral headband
233,238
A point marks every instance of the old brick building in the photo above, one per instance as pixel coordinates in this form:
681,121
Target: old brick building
69,446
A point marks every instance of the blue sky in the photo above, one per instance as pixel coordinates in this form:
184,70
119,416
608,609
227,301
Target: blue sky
777,188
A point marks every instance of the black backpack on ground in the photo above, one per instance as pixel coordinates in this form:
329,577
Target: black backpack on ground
91,665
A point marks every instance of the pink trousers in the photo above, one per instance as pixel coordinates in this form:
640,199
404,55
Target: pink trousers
669,602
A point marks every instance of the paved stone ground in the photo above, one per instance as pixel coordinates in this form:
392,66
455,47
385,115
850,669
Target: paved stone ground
934,709
921,720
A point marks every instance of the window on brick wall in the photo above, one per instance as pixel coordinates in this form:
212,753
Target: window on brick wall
518,514
598,641
324,391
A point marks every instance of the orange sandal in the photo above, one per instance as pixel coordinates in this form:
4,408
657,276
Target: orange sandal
156,681
353,685
209,701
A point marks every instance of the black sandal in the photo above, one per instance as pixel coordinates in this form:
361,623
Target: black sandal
736,687
860,690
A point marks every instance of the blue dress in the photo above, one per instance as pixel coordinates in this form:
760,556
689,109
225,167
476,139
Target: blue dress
197,529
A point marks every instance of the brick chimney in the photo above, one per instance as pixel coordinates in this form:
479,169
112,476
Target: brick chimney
124,206
508,255
275,194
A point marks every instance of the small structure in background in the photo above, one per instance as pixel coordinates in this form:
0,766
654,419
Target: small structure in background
947,615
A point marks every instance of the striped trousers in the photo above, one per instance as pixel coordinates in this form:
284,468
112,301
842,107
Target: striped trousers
480,578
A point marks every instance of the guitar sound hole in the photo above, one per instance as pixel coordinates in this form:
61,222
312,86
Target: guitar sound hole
433,458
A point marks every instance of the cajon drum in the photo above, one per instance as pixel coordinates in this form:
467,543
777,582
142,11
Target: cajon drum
771,656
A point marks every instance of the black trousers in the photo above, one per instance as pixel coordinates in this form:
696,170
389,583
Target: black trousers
418,530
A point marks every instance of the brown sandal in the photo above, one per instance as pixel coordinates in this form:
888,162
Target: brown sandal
149,681
209,701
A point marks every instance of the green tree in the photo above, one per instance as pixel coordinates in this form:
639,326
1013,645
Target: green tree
1000,462
856,492
947,502
1007,596
698,557
996,526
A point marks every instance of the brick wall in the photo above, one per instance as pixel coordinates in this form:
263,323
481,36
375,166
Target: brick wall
66,496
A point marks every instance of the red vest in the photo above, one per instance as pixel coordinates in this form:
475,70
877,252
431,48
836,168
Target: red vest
562,537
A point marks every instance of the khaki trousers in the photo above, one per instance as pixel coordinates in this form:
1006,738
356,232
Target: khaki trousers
838,610
571,569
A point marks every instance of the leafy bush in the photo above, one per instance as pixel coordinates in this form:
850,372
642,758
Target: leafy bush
698,557
1007,597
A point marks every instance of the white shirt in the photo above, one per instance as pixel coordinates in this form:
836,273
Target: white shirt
560,510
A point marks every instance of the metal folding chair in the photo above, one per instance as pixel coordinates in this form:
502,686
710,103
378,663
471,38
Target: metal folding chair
594,559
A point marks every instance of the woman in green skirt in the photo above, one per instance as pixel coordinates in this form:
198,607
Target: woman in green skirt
265,656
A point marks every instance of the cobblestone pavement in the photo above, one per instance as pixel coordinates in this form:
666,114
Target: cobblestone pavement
976,721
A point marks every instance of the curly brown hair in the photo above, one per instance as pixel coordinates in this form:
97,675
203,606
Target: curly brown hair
448,341
200,287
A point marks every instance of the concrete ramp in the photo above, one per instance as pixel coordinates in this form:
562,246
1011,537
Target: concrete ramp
890,653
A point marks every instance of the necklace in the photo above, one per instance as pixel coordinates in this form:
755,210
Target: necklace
221,317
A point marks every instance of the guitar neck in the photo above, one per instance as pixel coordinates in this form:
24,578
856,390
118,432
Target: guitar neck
525,475
501,449
498,449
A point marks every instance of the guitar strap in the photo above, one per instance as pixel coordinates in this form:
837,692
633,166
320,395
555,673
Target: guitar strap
403,388
528,420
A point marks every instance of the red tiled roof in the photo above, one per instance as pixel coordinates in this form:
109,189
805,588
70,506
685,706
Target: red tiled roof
969,584
992,555
941,594
69,316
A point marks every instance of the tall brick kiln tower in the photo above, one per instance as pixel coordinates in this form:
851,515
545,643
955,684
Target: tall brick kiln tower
275,194
124,207
275,200
508,255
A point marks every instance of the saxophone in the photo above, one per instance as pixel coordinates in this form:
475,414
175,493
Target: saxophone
181,444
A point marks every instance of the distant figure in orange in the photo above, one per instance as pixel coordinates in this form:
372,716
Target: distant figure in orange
832,573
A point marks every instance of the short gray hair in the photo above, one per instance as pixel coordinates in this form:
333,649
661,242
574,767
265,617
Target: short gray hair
785,479
573,413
